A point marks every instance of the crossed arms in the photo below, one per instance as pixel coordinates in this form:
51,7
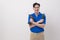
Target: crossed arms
36,23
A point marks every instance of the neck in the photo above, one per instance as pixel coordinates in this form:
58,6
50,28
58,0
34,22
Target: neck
37,14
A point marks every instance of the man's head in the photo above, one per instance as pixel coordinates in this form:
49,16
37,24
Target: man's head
36,7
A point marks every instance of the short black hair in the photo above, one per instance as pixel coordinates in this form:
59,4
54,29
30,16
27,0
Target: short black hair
36,4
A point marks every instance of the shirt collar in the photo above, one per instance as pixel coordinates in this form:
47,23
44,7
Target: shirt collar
38,14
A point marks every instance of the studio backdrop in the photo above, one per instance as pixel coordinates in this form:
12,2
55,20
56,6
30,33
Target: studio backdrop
14,15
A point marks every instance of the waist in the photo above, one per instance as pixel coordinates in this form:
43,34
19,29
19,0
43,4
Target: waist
36,29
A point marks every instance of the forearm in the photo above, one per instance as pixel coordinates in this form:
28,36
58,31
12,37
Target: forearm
31,26
41,21
39,25
36,23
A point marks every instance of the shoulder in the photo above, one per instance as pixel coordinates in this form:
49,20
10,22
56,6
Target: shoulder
31,14
42,13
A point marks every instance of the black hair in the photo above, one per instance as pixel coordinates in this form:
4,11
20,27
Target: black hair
36,4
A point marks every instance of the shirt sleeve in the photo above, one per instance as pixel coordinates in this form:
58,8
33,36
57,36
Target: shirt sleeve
44,19
29,19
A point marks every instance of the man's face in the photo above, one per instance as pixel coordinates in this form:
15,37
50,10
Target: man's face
36,8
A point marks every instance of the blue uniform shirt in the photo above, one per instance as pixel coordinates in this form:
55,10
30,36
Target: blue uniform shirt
37,29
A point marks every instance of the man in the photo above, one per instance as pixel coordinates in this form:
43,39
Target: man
36,22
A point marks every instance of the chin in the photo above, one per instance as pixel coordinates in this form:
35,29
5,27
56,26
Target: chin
37,12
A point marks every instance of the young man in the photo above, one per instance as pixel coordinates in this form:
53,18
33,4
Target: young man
36,22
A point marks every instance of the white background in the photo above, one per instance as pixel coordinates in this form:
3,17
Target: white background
13,19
